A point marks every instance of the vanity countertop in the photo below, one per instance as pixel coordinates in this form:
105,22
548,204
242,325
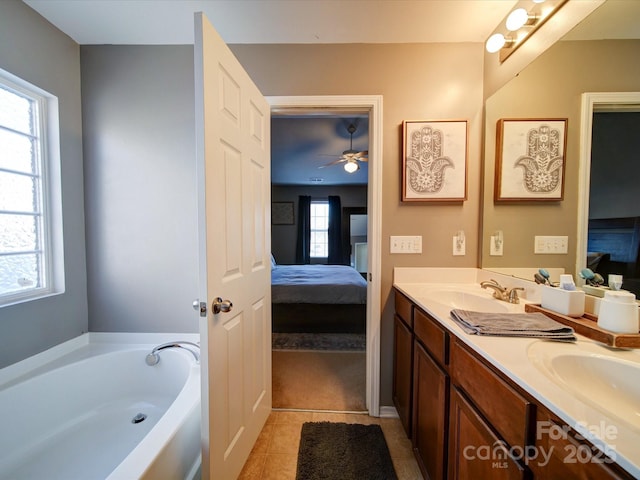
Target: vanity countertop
516,358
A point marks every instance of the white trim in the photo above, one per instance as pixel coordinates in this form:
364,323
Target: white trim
373,105
50,192
389,412
592,101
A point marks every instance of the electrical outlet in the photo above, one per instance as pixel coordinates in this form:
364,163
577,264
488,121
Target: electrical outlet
405,244
496,245
554,245
458,246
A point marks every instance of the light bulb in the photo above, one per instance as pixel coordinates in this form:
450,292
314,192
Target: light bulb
517,19
351,166
495,42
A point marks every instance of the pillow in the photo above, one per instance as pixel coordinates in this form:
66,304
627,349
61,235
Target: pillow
273,262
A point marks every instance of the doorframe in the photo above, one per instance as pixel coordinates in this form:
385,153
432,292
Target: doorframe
371,104
593,102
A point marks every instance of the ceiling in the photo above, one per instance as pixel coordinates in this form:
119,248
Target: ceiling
149,22
301,148
298,149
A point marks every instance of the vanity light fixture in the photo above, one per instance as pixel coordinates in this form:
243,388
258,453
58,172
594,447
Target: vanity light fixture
520,24
351,166
498,41
519,18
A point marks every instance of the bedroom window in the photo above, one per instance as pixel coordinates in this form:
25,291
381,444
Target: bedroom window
319,245
30,207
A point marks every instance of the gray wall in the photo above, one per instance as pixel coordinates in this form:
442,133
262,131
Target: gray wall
34,50
138,122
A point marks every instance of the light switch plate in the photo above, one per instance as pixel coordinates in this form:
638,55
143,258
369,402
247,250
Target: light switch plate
551,245
405,244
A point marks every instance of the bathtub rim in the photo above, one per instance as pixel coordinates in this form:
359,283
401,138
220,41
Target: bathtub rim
186,403
37,364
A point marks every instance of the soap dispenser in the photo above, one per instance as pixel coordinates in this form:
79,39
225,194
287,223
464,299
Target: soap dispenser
619,312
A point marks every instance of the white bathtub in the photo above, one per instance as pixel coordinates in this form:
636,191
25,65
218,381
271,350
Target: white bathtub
67,413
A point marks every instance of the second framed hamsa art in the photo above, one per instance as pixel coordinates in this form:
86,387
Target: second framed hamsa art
434,161
530,159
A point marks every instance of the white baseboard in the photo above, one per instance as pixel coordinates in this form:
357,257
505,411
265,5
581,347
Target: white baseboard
388,412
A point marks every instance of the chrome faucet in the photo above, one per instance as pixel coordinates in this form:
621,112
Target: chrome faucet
502,293
153,358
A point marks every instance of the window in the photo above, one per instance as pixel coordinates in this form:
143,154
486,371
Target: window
29,203
319,247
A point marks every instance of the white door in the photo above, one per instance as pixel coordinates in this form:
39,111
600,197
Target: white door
233,150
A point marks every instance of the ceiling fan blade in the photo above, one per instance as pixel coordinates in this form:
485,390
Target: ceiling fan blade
340,160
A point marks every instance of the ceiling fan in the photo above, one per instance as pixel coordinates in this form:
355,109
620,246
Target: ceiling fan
350,157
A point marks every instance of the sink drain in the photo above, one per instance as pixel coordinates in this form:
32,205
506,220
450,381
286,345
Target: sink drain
141,417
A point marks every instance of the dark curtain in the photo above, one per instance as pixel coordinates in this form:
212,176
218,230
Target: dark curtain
335,231
304,230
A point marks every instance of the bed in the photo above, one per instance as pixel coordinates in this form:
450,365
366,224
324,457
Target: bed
613,247
318,299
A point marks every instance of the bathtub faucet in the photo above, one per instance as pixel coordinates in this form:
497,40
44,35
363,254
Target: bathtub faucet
153,358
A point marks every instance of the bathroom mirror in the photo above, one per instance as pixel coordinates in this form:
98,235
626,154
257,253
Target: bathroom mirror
598,55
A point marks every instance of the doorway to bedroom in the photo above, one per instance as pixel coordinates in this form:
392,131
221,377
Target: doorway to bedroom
320,253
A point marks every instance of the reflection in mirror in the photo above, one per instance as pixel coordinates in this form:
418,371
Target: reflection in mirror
609,200
591,58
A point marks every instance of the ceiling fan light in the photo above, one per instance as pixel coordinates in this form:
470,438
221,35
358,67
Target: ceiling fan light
351,167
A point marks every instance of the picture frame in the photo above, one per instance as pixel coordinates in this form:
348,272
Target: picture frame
282,213
434,160
530,159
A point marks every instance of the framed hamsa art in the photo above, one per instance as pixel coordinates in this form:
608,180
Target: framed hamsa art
434,161
530,159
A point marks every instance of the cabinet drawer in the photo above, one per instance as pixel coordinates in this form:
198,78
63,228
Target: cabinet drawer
403,309
432,335
509,412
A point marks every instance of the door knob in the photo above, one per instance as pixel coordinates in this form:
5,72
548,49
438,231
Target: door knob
218,305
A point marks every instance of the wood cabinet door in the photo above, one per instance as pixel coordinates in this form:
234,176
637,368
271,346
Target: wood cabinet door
475,451
561,455
402,372
430,403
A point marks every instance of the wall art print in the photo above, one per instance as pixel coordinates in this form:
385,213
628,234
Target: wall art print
530,159
434,161
282,213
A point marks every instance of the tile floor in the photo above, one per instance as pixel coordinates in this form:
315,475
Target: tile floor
275,454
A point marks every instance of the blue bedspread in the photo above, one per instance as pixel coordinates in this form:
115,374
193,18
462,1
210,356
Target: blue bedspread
327,284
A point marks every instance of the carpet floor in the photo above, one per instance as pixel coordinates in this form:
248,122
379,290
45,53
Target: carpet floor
353,342
319,380
343,450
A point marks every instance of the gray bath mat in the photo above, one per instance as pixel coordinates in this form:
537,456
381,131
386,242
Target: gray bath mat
343,451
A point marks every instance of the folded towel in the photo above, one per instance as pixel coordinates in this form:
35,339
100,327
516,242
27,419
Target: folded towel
535,324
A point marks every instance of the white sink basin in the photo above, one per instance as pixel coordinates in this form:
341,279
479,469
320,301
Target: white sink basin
607,380
467,298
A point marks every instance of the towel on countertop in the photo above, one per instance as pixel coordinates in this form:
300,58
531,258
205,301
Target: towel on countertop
535,324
